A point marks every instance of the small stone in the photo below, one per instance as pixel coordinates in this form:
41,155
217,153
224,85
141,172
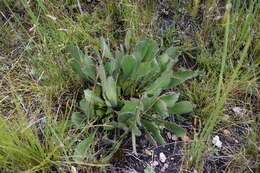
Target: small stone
73,169
217,142
174,138
154,164
148,152
226,132
162,157
186,138
239,111
165,165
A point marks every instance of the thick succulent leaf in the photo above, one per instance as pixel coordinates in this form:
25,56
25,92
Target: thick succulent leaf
161,107
83,148
180,77
110,88
77,119
128,65
106,51
160,83
170,98
174,128
154,130
75,52
142,70
130,109
168,59
128,39
92,98
181,108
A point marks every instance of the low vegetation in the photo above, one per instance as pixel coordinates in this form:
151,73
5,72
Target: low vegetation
145,86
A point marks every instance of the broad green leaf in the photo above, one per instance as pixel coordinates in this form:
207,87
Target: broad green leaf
141,49
170,126
154,130
102,73
136,131
170,99
142,70
180,77
128,39
151,52
129,110
174,128
91,98
181,108
87,108
172,52
75,52
162,82
128,65
77,119
149,169
77,69
147,102
106,51
89,67
161,107
83,148
110,88
111,67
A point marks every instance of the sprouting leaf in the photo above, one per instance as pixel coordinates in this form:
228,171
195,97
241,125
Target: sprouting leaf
110,88
83,148
174,128
105,49
170,99
77,119
128,65
154,130
180,77
181,108
128,39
